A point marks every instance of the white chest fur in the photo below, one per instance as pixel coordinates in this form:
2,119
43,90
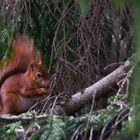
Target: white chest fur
26,103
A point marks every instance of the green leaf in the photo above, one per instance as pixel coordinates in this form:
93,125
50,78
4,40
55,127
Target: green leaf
84,6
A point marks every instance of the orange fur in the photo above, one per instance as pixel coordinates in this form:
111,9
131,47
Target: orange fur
22,78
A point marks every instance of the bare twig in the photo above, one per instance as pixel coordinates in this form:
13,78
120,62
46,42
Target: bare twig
10,118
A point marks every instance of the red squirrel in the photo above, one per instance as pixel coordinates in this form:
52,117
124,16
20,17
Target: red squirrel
22,79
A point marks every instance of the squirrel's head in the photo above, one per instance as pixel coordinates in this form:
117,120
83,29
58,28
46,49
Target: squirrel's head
38,74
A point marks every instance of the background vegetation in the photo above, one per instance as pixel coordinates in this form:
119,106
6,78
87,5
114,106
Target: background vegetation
81,41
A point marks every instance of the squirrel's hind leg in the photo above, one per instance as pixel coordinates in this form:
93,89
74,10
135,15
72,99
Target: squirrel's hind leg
9,103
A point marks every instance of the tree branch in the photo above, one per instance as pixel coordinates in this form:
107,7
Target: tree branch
13,118
99,89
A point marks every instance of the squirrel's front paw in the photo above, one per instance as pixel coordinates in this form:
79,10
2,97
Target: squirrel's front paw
42,91
45,84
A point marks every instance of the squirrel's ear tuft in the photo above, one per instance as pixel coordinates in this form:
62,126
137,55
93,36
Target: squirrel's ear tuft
40,61
32,66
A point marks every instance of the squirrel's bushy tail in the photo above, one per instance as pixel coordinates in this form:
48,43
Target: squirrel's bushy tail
23,53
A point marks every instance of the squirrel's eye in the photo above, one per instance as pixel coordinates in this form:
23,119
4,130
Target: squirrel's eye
38,75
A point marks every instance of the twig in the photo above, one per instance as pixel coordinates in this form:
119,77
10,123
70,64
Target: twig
10,118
